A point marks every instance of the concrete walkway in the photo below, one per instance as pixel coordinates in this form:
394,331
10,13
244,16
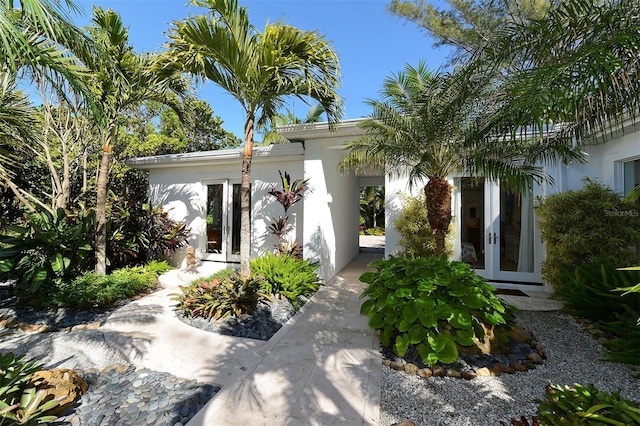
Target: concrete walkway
322,367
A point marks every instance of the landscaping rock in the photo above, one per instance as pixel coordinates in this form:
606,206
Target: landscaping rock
425,373
411,368
483,372
439,372
535,358
61,383
453,373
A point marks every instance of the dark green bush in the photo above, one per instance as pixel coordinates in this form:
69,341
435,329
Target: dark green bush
593,291
585,406
415,233
220,298
101,291
139,233
286,276
53,248
586,225
589,290
430,303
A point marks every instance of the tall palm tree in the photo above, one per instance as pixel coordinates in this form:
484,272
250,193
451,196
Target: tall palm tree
418,129
259,69
37,42
122,79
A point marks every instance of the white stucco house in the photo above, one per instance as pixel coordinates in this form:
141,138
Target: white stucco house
494,230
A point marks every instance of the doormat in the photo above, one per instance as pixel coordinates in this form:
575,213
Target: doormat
510,292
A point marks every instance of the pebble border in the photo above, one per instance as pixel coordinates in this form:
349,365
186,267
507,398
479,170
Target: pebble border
525,356
130,396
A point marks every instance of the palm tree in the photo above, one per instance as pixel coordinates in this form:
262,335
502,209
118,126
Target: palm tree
270,130
37,41
578,73
418,129
122,80
259,69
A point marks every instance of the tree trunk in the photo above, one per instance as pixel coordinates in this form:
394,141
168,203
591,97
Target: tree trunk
245,199
101,202
438,200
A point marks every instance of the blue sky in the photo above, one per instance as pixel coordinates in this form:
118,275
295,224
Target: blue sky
370,42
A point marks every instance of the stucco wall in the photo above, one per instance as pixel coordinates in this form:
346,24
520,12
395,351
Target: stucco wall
331,208
182,190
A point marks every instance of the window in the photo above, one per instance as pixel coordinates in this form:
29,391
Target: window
631,175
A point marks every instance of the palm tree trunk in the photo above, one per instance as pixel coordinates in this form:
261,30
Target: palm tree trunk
101,202
245,198
438,200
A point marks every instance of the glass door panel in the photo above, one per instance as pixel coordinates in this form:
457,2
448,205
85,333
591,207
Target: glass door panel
215,218
473,215
235,221
516,232
497,232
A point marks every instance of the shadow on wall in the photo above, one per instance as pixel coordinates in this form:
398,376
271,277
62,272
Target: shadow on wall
184,204
393,207
317,250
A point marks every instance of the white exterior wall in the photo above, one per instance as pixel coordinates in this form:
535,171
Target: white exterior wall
181,188
332,208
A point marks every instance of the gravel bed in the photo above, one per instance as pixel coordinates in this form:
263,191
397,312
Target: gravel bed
573,356
132,396
262,324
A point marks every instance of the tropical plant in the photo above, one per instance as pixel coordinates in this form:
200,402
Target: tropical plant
38,43
122,79
21,400
139,232
270,133
416,237
577,74
91,290
286,276
259,69
15,373
216,298
291,193
585,405
52,248
586,225
634,289
431,304
466,25
588,290
372,206
419,129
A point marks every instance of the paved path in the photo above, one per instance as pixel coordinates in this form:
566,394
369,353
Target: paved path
322,367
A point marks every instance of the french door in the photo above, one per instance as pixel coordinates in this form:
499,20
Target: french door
498,232
223,222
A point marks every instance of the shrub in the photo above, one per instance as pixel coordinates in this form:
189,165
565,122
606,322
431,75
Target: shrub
585,225
585,405
52,248
138,233
374,231
430,303
412,225
588,290
220,298
21,400
101,291
287,276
